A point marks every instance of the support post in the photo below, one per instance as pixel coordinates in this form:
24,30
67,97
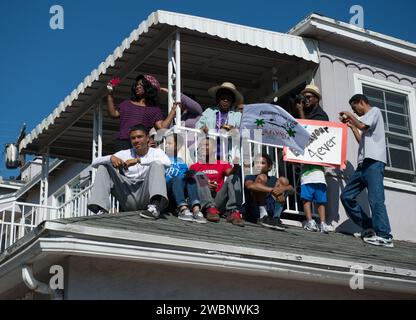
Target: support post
97,141
174,74
44,186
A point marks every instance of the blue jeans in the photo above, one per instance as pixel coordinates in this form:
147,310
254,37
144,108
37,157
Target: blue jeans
370,175
179,187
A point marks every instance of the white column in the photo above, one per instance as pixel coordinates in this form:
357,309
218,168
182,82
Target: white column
97,142
171,75
174,74
44,185
178,75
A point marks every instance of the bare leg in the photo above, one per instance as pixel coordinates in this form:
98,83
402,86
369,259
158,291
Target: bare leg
321,211
260,197
307,208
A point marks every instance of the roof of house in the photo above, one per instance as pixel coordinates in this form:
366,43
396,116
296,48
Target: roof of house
204,42
323,28
293,254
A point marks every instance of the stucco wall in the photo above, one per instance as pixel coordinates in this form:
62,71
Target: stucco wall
89,278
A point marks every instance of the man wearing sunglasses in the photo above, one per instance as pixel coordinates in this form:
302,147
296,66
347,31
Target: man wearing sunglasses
313,183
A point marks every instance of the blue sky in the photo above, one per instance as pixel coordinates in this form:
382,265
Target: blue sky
40,66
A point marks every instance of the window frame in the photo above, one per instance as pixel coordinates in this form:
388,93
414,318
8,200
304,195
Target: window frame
410,92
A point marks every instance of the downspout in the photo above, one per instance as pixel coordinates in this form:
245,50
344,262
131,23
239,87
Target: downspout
37,286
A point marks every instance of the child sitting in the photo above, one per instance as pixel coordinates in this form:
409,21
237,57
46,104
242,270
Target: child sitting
180,180
215,192
265,195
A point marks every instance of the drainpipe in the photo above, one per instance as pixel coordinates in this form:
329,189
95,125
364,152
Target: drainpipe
37,286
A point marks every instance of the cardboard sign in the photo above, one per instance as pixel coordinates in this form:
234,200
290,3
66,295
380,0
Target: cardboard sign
327,145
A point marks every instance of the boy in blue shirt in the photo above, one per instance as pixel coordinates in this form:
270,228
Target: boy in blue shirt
180,181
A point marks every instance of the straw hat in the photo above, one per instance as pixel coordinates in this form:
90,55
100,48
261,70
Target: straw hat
312,89
229,86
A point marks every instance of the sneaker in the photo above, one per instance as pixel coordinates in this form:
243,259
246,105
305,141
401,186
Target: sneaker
272,223
279,224
213,215
324,228
379,241
186,215
235,218
367,233
152,212
311,226
198,217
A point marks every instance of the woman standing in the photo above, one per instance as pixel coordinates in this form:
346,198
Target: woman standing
140,109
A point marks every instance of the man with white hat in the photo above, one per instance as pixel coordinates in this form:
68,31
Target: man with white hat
311,109
313,183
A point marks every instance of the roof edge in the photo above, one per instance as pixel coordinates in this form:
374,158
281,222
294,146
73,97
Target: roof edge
348,30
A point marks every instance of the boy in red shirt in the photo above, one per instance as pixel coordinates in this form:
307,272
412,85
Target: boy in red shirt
214,192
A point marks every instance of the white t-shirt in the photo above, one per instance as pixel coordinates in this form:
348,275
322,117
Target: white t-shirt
139,171
373,140
312,174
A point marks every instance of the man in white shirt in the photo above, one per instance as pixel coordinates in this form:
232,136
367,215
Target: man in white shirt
133,176
369,133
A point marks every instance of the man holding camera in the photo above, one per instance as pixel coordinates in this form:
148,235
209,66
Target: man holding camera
313,183
369,132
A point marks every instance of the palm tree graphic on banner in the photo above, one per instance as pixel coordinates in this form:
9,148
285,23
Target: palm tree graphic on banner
260,123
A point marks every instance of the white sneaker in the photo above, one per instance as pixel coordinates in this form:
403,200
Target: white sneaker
324,228
311,226
367,233
186,215
379,241
199,217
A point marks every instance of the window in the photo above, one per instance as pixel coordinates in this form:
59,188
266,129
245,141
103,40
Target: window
395,104
59,199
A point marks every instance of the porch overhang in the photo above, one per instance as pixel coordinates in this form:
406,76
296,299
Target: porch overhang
211,52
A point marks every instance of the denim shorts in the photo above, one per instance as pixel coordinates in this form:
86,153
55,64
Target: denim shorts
314,192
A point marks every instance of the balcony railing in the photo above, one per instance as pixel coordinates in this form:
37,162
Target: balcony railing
18,218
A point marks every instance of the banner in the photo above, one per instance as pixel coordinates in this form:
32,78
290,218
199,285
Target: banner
271,124
327,145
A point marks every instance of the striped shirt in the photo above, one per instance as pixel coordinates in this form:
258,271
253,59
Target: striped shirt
131,115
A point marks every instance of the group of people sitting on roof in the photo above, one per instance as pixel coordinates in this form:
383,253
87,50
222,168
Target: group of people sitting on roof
143,177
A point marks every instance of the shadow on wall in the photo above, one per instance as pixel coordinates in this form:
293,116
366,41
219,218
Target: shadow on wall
336,184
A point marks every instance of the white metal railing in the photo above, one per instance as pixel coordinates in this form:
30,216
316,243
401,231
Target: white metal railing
19,218
246,157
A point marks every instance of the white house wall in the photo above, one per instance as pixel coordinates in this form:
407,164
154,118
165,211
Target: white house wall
89,278
58,179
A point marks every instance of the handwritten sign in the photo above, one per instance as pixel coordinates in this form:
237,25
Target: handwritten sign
327,145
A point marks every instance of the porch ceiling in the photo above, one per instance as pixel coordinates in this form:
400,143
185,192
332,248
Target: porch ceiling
211,52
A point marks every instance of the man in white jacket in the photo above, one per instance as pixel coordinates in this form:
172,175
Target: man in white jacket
133,176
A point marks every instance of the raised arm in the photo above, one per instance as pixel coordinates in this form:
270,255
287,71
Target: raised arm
164,124
111,108
354,124
191,105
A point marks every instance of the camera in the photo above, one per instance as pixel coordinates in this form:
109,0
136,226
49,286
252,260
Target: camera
299,98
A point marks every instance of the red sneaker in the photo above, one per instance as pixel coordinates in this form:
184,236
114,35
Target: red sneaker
235,218
213,214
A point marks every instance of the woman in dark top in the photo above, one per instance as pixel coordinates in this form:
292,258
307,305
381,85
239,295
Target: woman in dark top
140,109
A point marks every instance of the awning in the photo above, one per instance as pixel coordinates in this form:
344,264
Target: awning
211,52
